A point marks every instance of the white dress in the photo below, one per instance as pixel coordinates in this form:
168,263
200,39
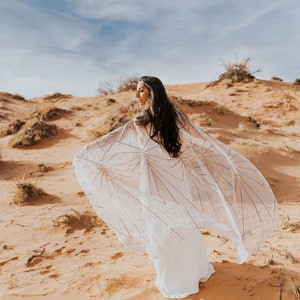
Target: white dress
179,272
155,203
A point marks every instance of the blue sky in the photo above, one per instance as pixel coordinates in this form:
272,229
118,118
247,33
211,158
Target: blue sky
71,46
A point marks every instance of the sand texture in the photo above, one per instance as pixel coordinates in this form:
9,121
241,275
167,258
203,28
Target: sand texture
53,246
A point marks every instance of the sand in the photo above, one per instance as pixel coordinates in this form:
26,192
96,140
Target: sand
55,247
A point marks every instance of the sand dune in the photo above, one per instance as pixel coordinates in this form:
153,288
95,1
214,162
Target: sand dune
55,246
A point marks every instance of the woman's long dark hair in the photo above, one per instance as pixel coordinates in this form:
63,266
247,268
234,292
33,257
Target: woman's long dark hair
162,117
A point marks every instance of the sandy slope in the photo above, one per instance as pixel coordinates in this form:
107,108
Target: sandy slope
56,245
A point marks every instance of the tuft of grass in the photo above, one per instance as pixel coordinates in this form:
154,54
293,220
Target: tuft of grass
120,118
53,113
297,81
12,128
201,119
105,88
123,115
26,192
125,84
128,84
291,226
276,78
238,71
33,134
11,96
77,221
56,96
46,112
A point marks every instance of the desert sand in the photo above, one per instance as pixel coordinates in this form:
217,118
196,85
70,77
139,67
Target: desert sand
55,247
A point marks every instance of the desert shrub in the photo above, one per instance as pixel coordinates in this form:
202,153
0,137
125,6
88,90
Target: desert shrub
57,96
122,116
238,71
53,113
18,97
12,128
276,78
26,192
128,84
46,111
34,134
105,88
74,220
297,81
124,85
118,119
5,95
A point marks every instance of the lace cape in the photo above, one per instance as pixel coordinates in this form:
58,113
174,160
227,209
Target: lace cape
153,201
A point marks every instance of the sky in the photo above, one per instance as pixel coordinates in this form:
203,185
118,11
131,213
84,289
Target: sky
75,46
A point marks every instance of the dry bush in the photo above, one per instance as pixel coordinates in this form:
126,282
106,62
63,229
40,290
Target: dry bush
46,112
56,96
276,78
122,116
201,119
26,192
11,96
128,84
291,226
33,134
105,88
12,128
97,133
188,102
77,221
124,85
238,72
18,97
297,81
53,113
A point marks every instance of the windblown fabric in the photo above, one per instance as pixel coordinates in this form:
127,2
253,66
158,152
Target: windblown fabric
153,201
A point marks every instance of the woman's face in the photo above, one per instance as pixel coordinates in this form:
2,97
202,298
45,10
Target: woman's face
142,92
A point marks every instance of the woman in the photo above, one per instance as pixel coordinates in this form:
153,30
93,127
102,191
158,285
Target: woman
159,179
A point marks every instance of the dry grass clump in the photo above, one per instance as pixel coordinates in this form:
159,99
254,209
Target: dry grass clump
56,96
237,72
276,78
122,116
46,112
201,119
291,226
12,128
77,221
128,84
11,96
188,102
97,133
53,113
26,192
124,85
297,81
33,134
